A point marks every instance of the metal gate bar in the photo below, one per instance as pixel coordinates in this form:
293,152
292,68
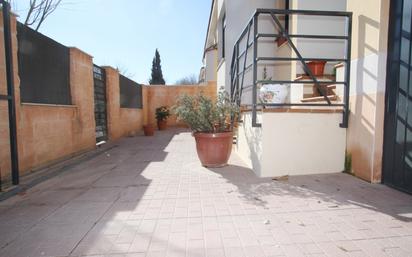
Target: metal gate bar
100,103
10,97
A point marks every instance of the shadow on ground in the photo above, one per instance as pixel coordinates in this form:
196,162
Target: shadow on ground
320,192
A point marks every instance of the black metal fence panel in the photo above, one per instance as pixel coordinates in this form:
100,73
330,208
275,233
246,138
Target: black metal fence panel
44,67
130,93
100,103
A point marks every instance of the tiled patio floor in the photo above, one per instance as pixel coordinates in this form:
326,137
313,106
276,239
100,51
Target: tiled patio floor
151,197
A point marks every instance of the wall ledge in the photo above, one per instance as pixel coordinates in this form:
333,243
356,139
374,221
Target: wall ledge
297,110
50,105
125,108
80,50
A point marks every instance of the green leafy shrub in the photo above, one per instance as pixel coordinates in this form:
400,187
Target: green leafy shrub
162,113
202,114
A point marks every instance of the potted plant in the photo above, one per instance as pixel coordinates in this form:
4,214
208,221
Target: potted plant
317,67
270,93
212,125
162,113
148,130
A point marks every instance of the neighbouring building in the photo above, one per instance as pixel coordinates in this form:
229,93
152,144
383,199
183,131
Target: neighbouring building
355,116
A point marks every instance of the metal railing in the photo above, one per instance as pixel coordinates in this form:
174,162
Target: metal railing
10,96
252,35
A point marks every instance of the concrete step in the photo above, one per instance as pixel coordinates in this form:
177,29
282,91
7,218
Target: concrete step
319,99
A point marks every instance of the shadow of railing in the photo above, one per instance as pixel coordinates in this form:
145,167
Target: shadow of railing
321,192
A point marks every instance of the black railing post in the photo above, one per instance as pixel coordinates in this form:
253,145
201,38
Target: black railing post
10,91
237,73
345,121
245,62
255,70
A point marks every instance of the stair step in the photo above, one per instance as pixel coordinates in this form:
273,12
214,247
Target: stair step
325,77
319,99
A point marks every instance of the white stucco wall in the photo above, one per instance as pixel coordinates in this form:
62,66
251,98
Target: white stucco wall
221,73
238,13
302,143
293,144
249,143
211,65
317,25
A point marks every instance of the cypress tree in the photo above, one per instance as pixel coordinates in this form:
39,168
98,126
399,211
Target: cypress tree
157,75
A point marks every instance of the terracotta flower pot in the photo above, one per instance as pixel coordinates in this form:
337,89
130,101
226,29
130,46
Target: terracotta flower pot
214,149
148,130
162,124
317,67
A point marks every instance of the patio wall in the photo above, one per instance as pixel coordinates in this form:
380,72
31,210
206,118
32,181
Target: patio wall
158,95
120,121
4,122
49,133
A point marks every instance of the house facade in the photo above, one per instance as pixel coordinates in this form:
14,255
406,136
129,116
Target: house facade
354,116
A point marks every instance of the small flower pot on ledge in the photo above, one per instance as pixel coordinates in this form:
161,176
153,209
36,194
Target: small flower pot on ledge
148,130
317,67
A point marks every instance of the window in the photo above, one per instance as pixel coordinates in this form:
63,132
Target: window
223,35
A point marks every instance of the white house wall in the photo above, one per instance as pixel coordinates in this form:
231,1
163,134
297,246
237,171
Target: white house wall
292,143
221,73
211,65
249,143
368,73
302,143
238,13
320,48
368,79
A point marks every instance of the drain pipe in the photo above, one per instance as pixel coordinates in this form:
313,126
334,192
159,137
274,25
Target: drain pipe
10,92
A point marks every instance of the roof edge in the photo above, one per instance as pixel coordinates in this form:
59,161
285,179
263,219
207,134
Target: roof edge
208,27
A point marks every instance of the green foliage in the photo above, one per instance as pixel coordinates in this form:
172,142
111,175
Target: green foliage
162,113
188,80
202,114
157,74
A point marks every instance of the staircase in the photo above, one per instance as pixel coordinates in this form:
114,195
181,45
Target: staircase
324,91
312,94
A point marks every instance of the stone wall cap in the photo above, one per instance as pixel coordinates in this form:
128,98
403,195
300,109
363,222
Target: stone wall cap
50,105
80,50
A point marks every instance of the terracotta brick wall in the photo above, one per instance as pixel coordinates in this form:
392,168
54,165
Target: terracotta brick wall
49,133
159,95
5,163
121,121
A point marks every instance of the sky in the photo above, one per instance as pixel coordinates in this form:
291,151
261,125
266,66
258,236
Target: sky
125,33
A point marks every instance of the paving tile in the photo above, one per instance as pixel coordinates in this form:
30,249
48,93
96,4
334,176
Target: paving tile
151,197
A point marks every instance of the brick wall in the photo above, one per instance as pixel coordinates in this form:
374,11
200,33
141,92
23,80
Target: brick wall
121,121
155,96
48,133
